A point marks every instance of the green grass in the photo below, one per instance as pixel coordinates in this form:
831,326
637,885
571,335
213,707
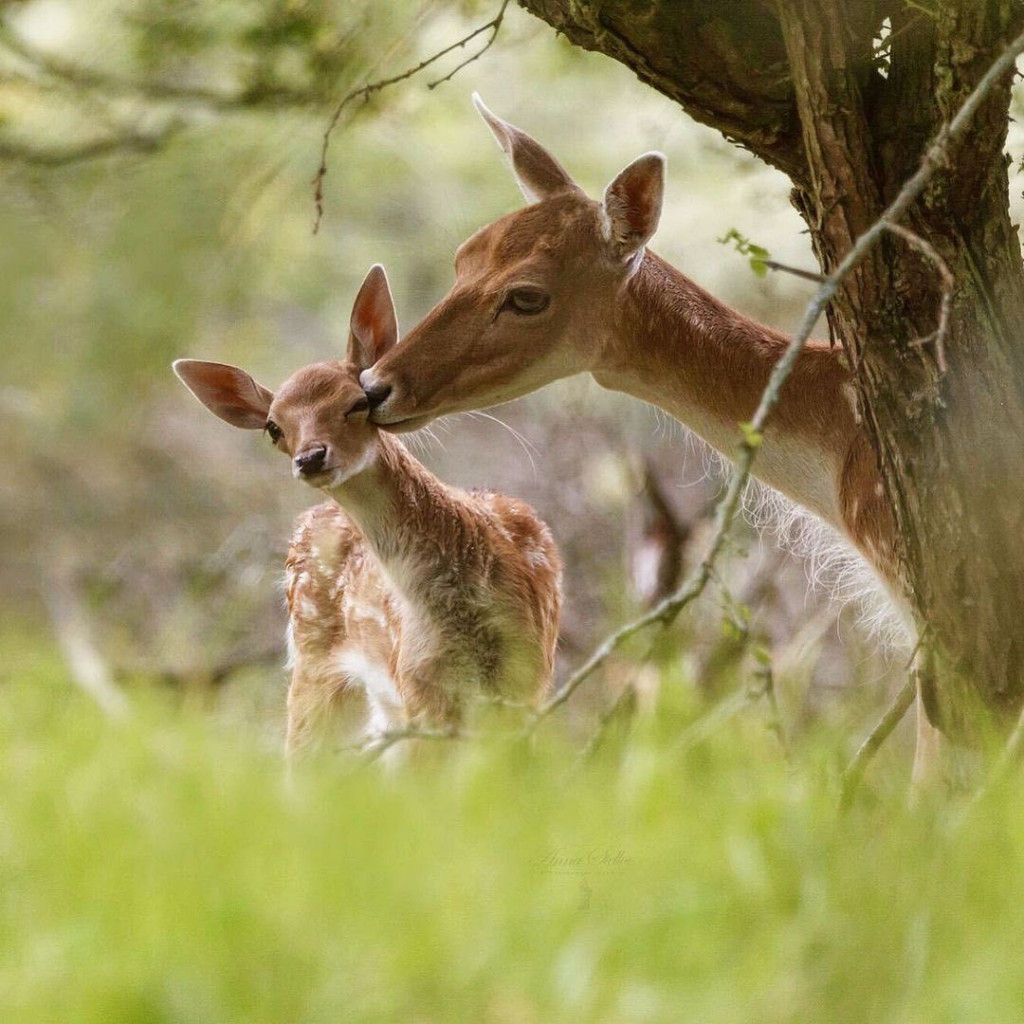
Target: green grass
161,870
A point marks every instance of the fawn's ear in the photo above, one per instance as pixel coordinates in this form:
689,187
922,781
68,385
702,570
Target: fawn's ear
374,326
226,391
539,174
632,204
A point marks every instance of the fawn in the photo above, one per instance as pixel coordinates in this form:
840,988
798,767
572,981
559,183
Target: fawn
414,593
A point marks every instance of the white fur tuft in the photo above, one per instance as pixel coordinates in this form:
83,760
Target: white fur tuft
832,564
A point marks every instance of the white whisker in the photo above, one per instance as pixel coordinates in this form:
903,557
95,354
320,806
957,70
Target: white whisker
438,442
528,446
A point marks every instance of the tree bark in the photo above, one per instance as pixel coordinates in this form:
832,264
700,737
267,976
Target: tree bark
802,84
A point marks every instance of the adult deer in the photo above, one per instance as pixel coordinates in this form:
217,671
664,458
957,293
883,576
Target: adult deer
567,285
414,593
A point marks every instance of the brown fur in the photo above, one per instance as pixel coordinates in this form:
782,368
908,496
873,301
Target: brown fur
639,326
416,594
455,593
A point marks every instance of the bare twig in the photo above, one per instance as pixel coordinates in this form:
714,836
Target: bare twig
774,722
377,744
364,92
220,672
494,25
785,268
83,152
753,432
885,49
81,77
854,771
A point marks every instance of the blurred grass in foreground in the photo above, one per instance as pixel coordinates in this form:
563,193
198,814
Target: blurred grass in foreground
161,870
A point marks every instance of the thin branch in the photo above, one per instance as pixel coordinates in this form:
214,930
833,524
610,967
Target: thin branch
885,48
753,432
854,771
494,25
377,744
364,92
83,77
220,672
785,268
94,149
774,715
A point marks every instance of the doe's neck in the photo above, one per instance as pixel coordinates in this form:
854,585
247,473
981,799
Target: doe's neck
674,345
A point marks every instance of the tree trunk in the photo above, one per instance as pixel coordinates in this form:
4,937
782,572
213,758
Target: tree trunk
803,84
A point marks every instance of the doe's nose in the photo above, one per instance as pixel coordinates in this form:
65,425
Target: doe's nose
376,394
311,461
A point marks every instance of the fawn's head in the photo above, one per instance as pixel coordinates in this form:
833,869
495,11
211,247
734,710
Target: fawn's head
320,416
535,295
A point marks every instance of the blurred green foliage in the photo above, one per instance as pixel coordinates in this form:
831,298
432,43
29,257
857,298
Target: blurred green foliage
162,870
174,525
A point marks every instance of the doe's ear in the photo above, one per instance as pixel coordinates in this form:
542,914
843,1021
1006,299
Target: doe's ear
632,204
226,391
538,173
374,326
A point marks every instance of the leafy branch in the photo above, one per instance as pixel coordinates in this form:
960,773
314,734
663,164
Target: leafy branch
760,258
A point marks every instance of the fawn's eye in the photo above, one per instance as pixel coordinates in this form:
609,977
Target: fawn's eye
360,406
526,301
274,431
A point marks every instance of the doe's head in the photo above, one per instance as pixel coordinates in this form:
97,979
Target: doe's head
537,294
320,416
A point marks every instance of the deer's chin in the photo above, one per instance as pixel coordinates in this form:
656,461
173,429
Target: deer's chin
328,478
406,426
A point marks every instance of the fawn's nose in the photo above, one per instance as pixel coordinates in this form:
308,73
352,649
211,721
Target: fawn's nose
376,393
311,461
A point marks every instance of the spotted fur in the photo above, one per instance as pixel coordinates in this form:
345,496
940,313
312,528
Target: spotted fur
401,590
448,595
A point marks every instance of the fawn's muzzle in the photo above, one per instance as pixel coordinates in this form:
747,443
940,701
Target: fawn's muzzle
311,461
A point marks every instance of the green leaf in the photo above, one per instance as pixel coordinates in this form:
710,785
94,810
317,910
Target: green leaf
752,437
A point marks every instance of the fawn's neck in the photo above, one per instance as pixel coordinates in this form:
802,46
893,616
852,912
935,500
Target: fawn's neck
677,347
408,517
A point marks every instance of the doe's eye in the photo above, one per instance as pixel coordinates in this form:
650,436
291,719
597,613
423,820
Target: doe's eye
526,301
273,431
360,406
